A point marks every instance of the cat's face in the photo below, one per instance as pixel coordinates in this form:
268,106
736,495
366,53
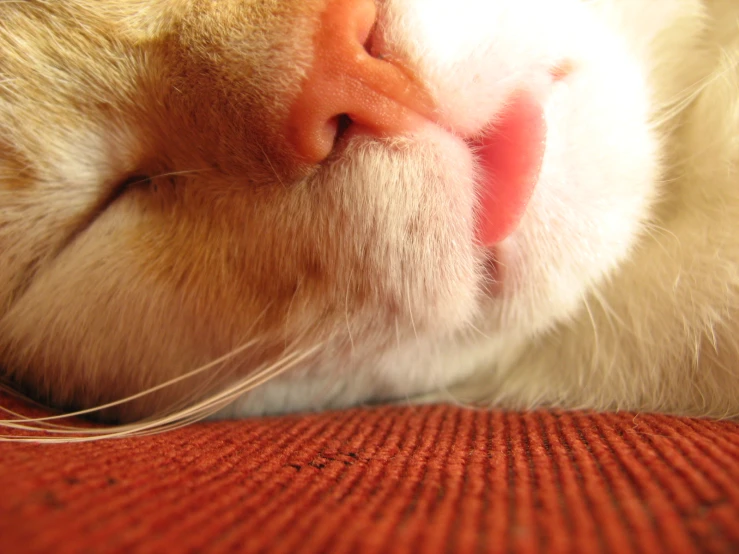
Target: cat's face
170,187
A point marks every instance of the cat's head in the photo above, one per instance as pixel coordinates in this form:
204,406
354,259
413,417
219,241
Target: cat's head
388,182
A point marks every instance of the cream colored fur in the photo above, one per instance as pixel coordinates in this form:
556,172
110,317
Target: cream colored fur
359,280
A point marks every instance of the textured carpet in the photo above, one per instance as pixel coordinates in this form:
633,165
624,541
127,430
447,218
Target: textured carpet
394,479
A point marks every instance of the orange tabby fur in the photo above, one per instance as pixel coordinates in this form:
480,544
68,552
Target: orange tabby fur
230,238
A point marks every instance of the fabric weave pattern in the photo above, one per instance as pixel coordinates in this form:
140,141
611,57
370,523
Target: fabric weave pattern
428,479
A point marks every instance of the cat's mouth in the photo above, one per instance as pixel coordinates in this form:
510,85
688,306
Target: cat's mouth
355,86
510,155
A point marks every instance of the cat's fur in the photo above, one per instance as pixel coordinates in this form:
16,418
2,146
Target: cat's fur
618,290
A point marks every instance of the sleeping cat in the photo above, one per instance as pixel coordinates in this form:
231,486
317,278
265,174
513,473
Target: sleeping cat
238,207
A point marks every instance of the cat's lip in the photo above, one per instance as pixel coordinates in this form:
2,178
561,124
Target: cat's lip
509,155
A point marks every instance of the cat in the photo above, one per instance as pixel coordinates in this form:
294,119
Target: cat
241,207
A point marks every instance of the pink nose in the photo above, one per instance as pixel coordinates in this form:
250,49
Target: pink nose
347,80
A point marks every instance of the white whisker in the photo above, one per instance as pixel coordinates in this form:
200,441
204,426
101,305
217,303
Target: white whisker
147,392
179,418
346,309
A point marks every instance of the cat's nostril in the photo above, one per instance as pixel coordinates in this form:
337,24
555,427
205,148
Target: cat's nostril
349,83
343,122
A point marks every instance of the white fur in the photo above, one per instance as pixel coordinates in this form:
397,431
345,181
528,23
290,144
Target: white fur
620,287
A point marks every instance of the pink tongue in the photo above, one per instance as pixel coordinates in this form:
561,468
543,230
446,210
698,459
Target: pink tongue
510,155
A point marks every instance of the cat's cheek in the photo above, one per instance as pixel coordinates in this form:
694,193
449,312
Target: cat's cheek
473,55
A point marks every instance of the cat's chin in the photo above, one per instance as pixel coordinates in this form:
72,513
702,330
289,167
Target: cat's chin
493,272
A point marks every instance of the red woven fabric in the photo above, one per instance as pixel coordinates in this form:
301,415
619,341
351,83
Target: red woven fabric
392,479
